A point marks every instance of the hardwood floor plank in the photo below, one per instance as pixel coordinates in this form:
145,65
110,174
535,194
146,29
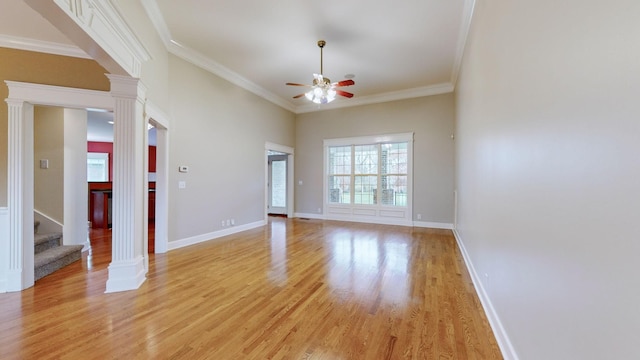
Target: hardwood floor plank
293,289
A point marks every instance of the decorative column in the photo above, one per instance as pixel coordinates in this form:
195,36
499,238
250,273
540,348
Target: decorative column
126,271
20,168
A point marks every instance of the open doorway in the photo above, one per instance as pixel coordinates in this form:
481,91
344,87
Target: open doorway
279,175
277,183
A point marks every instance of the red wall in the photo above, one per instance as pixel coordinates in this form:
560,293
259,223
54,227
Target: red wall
107,147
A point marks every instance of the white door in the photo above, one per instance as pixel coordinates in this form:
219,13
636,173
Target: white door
277,185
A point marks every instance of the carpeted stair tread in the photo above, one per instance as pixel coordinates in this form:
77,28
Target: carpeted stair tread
43,242
55,258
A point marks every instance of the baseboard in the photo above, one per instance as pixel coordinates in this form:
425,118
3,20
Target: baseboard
433,225
213,235
508,352
125,275
309,216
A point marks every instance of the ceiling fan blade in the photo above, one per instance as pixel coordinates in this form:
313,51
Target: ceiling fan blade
344,93
344,83
295,84
298,96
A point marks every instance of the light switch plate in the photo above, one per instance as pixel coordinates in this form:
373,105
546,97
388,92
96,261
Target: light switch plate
44,164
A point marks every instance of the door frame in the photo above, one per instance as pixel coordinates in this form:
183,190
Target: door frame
22,98
270,160
290,176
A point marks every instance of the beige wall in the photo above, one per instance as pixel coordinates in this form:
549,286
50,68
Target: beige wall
26,66
219,131
48,141
548,170
155,71
430,118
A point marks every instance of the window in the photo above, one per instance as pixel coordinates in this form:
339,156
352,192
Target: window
368,174
97,167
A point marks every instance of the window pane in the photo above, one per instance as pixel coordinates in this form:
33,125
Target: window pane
365,189
339,189
340,160
279,183
394,190
366,159
97,167
394,158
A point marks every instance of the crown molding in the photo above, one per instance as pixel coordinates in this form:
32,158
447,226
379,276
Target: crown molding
437,89
463,34
47,47
206,63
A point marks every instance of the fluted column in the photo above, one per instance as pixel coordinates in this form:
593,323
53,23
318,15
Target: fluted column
126,271
20,152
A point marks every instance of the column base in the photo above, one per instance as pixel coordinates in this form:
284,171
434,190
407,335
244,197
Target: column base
125,275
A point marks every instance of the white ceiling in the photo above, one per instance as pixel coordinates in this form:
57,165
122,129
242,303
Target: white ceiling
395,49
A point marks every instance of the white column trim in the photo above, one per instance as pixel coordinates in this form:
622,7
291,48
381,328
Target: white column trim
129,201
22,96
20,272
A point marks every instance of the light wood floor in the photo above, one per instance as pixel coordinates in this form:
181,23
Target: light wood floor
294,289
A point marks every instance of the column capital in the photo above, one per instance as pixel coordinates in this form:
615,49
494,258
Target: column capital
127,87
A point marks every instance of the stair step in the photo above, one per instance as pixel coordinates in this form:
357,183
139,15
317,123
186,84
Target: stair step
55,258
43,242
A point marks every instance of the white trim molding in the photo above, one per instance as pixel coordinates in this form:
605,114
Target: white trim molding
206,63
433,225
309,216
173,245
506,347
127,268
47,47
437,89
161,121
98,28
21,100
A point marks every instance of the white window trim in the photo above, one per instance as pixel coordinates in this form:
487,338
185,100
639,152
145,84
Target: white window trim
378,213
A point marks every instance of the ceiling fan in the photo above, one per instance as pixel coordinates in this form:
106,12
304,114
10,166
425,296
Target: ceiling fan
323,91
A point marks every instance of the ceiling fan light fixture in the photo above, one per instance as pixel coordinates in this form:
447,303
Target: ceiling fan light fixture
323,91
321,95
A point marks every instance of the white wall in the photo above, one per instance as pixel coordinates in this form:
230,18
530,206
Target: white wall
75,177
548,170
219,131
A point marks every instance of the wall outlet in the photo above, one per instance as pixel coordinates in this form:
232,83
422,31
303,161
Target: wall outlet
319,210
228,222
182,184
233,221
222,223
419,216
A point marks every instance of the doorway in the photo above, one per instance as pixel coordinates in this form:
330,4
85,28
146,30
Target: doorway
278,192
277,184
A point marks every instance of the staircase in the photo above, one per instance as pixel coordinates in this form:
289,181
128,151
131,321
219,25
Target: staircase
51,255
